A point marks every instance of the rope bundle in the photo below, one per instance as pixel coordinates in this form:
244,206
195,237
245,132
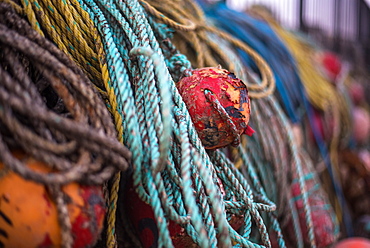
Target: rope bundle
49,109
125,48
284,156
131,46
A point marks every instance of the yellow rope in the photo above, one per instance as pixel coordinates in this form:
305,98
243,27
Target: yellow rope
204,49
72,30
28,11
69,33
113,194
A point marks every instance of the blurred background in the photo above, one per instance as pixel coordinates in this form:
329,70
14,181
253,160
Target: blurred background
342,26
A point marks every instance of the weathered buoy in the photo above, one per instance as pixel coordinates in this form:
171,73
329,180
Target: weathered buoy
29,216
218,104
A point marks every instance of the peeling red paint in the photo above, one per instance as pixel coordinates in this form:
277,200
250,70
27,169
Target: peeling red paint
215,128
88,224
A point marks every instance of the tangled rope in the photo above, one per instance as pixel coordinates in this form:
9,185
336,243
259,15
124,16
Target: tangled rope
135,65
323,95
275,149
50,110
143,126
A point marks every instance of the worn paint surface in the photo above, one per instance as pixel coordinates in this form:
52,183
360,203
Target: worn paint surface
29,218
213,130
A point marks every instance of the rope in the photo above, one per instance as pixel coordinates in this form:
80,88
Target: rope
63,24
324,96
50,111
128,21
136,63
204,47
88,43
259,36
177,12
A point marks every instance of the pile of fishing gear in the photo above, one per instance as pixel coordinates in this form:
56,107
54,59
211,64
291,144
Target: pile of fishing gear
143,123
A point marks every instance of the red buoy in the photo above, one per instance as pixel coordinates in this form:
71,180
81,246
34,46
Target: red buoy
218,104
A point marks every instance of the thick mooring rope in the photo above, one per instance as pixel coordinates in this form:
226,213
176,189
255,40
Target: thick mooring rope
50,110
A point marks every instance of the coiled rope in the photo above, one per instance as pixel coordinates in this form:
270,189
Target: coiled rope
125,27
50,110
259,36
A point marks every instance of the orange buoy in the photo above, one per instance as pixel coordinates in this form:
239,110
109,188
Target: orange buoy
29,217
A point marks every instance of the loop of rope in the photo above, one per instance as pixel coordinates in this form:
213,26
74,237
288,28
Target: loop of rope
255,91
164,139
189,27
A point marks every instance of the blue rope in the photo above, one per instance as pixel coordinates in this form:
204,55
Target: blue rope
263,39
